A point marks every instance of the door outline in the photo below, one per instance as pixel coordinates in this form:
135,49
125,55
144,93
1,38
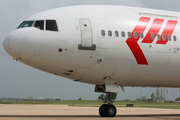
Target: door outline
86,35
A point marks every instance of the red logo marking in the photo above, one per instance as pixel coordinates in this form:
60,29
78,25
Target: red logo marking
169,29
132,42
156,26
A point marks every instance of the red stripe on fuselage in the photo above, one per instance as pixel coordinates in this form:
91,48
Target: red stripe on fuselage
169,29
132,42
156,26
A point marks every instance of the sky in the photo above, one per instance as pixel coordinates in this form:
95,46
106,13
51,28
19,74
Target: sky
19,80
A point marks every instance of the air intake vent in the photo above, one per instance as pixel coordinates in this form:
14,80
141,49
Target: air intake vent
67,73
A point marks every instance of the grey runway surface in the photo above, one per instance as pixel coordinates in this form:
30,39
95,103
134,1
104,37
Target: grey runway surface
59,112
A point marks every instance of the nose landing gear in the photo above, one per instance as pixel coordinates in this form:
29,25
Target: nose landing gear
107,110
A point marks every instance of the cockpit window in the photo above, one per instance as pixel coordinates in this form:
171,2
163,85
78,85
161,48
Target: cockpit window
51,25
26,24
39,24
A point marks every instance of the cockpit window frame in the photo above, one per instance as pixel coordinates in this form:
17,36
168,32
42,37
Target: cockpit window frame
56,23
52,22
37,27
23,26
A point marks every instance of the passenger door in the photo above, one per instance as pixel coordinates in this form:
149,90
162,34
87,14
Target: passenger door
86,35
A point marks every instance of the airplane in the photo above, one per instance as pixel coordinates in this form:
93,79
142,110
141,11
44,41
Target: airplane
105,45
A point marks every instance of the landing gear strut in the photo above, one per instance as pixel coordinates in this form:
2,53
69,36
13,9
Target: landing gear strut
107,110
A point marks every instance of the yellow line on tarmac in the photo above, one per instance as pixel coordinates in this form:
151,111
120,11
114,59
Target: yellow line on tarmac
16,116
5,117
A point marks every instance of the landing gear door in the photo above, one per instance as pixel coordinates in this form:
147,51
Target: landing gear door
86,35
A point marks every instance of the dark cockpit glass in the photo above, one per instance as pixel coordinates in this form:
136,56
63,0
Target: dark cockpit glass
39,24
26,24
51,25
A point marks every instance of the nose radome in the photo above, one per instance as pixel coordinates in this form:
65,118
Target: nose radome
6,44
13,44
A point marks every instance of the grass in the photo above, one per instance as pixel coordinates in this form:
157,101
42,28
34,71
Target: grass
91,103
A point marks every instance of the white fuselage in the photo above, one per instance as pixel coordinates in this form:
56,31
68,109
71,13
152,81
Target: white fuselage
79,50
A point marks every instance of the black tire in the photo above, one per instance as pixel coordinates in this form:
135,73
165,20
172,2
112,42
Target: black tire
101,110
110,111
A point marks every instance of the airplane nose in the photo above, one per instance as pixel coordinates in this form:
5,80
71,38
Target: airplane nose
13,44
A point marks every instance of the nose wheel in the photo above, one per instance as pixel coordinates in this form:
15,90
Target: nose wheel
107,110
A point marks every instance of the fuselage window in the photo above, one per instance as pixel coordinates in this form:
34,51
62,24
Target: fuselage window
135,35
153,36
158,37
175,38
26,24
141,35
110,33
103,33
129,35
51,25
39,24
116,33
123,34
164,37
169,37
